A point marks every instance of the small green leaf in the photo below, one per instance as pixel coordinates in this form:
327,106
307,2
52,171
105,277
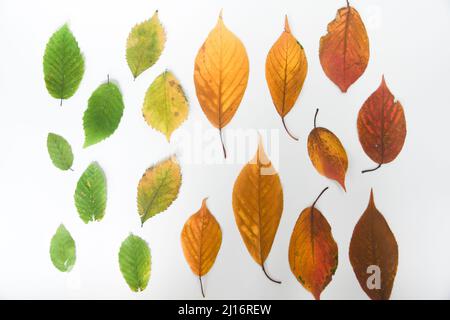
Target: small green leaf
165,105
62,250
135,262
103,114
63,64
60,151
145,44
158,188
90,194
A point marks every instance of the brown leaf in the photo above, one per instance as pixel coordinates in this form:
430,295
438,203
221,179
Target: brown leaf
381,126
286,68
201,239
221,75
313,253
344,50
373,245
258,205
327,154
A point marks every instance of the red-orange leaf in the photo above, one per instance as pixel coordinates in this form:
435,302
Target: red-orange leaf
313,253
381,126
344,50
374,253
327,154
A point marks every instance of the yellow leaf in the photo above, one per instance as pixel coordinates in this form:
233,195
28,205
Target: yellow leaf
286,68
201,239
221,75
165,106
258,205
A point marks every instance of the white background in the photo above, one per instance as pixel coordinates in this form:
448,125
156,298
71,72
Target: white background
408,44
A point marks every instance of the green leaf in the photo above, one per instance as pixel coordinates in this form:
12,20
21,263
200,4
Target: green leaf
60,151
135,262
158,188
103,114
62,250
145,44
165,105
90,194
63,64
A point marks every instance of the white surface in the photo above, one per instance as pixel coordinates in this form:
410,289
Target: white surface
408,43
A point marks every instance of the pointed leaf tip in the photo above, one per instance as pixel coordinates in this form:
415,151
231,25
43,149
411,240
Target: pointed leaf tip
383,81
316,295
342,183
287,28
261,156
371,200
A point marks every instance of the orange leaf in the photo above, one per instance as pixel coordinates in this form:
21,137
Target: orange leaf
373,248
201,239
258,205
221,75
381,126
286,68
313,253
344,50
327,154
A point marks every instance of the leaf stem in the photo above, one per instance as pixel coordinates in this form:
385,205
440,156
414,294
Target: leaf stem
290,134
108,78
60,102
201,285
268,277
315,117
223,145
348,3
370,170
318,197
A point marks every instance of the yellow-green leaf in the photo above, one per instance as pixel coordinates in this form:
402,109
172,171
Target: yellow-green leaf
158,188
165,106
145,44
60,151
62,250
135,262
